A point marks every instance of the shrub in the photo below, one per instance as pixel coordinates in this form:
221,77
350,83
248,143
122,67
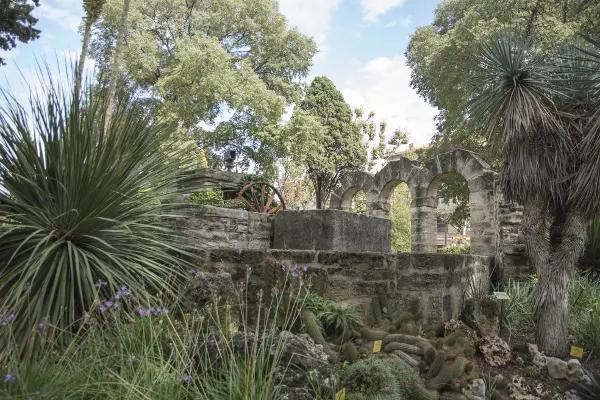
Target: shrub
379,377
80,208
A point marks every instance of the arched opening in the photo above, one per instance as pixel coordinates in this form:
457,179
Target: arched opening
400,215
359,202
453,228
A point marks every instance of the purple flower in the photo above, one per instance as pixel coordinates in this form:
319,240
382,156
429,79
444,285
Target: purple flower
42,325
160,311
283,268
186,378
6,319
9,377
122,292
295,274
452,148
101,284
103,308
305,268
27,289
144,312
133,360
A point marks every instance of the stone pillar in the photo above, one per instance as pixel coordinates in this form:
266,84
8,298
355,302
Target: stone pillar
423,222
514,263
482,204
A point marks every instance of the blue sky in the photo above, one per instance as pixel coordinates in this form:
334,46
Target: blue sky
362,46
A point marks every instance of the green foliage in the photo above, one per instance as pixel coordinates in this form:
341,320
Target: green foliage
325,138
81,207
441,58
385,377
335,318
131,355
212,197
448,373
400,215
591,258
16,23
461,249
589,389
234,56
419,392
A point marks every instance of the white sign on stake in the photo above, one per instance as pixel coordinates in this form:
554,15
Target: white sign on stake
501,296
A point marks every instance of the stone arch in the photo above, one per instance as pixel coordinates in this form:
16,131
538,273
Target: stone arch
391,175
350,184
481,181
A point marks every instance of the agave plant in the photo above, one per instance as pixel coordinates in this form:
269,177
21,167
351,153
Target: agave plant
81,213
590,388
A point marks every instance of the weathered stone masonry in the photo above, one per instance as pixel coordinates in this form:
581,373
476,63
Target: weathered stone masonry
438,280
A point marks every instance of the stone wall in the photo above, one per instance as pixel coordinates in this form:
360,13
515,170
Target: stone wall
438,280
214,227
331,230
513,262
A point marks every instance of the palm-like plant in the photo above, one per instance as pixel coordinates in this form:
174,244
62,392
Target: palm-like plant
93,10
81,216
545,113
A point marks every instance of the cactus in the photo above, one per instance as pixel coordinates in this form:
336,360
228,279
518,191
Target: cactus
546,396
401,337
439,344
452,396
469,352
376,308
447,374
383,302
418,392
414,306
407,358
423,366
349,352
409,328
436,365
497,395
372,334
404,318
405,347
452,338
429,355
469,367
312,327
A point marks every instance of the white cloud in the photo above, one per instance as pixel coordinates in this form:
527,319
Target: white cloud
391,24
406,21
382,85
65,13
372,9
311,17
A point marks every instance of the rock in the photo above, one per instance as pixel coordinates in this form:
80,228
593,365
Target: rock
571,395
557,368
483,315
458,326
575,371
518,389
495,351
529,355
300,354
475,390
202,288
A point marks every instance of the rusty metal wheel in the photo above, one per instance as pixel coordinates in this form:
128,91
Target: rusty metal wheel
261,197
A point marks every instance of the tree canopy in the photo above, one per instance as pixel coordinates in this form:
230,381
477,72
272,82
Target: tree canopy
17,23
442,59
195,62
325,138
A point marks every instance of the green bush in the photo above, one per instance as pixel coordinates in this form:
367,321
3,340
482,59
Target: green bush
375,377
80,208
213,197
461,249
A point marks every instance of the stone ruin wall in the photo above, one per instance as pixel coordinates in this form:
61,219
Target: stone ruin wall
349,270
437,280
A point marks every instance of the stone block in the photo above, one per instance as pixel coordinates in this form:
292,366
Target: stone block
331,230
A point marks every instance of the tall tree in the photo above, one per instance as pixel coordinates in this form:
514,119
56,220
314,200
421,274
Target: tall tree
202,61
326,139
93,10
16,23
441,58
544,111
116,63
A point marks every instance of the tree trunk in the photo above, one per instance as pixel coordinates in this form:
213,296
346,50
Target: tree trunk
84,48
551,295
121,33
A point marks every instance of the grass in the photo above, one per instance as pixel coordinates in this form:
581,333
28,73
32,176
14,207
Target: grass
128,353
584,298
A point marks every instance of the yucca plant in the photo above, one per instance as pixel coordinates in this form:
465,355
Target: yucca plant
590,388
544,112
81,212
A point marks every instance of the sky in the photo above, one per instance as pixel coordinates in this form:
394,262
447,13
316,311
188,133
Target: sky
361,42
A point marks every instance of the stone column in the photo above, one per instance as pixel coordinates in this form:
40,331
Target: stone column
482,203
423,222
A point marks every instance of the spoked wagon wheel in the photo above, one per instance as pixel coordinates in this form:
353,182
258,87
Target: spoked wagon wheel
260,197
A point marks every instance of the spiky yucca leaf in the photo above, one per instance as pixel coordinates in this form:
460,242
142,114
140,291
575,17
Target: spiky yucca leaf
76,209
